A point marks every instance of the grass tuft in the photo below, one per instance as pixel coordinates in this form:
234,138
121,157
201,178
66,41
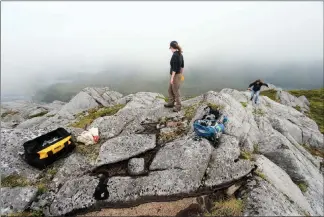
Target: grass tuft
9,112
34,213
93,114
90,151
271,94
15,181
246,155
190,111
258,112
297,107
256,149
314,151
261,175
166,99
244,104
230,207
316,99
215,106
303,186
41,188
38,115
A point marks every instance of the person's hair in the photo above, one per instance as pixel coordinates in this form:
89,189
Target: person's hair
175,45
179,48
259,80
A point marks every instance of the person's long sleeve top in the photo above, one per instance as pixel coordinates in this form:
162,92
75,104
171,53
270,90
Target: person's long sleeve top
176,62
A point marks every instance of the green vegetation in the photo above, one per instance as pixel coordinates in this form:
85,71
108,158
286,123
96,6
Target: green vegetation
90,151
230,207
298,108
9,112
246,155
190,111
271,94
41,187
38,115
314,151
258,112
45,179
215,107
34,213
14,181
165,137
316,99
261,175
51,171
166,99
244,104
256,148
93,114
303,186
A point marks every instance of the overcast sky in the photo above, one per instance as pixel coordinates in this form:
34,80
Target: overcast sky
51,38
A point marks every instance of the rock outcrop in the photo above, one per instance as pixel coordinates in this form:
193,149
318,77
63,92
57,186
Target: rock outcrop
149,153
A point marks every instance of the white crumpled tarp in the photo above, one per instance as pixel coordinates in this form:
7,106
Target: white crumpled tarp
89,137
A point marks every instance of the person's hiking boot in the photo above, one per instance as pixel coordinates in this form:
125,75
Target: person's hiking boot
169,105
177,108
251,98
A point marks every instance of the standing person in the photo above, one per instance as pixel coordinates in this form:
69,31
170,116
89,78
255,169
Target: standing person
256,89
176,70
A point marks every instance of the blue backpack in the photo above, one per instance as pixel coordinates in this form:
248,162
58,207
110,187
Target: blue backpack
209,129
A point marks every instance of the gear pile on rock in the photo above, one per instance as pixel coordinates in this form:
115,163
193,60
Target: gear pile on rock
148,153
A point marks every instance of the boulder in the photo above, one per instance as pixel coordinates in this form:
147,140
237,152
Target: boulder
263,199
225,166
124,147
75,194
15,200
282,182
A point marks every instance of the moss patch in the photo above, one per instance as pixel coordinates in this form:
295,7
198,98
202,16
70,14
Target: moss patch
271,94
246,155
14,181
190,111
38,115
90,151
41,188
258,112
9,112
303,186
244,104
316,100
256,149
172,135
28,213
297,107
261,175
314,151
215,106
230,207
85,120
45,179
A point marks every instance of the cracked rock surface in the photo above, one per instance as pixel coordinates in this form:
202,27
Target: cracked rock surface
136,164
